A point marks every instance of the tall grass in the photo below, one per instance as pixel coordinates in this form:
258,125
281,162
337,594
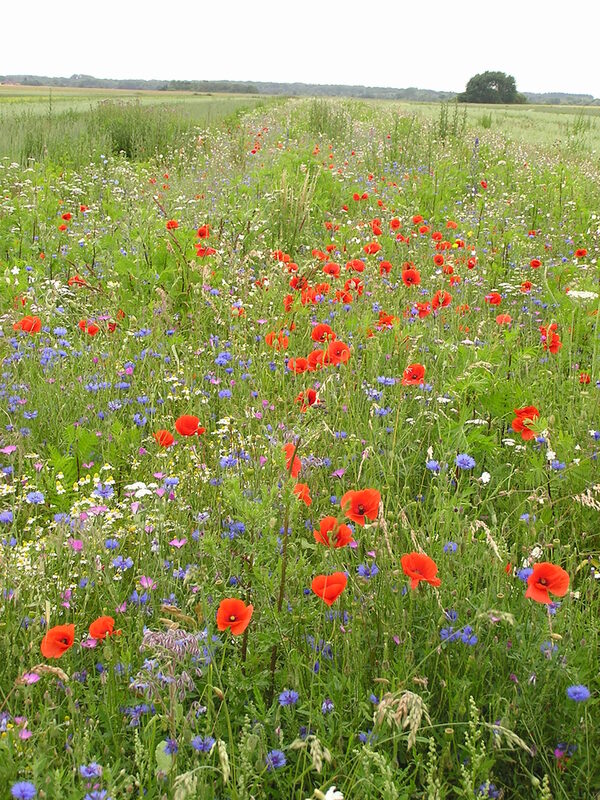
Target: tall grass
138,131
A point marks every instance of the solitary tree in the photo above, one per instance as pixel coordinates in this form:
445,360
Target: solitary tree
491,87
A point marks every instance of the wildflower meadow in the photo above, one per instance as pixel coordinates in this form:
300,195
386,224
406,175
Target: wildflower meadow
300,426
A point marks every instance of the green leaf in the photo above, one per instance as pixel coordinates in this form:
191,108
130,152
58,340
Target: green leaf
164,761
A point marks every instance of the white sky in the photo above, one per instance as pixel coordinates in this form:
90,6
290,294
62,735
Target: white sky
544,44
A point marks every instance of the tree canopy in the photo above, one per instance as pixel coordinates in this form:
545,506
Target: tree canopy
491,87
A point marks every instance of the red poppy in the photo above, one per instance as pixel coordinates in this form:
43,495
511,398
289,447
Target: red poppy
356,264
521,422
584,377
316,359
89,327
411,277
451,224
438,259
233,614
420,567
547,578
307,399
302,492
504,319
581,253
329,587
341,535
395,224
372,248
28,325
298,365
332,269
423,310
103,627
550,339
535,263
413,375
417,219
164,438
361,505
493,299
84,208
62,228
337,353
204,231
202,252
483,184
188,425
322,332
172,224
441,299
57,641
526,286
75,280
295,467
279,343
385,267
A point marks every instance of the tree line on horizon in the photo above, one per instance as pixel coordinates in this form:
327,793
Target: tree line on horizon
488,87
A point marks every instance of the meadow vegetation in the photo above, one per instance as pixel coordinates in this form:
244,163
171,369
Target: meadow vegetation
299,451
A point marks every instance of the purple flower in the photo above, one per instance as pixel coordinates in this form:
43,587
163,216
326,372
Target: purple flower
275,759
579,693
464,461
35,498
23,790
92,770
203,744
288,697
171,747
327,706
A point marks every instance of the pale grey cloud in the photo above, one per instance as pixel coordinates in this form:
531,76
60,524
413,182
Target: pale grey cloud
547,46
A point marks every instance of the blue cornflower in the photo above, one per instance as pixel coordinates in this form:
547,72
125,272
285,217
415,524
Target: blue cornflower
122,563
92,770
523,574
203,744
111,544
367,737
464,461
275,759
367,571
579,693
450,547
103,492
224,393
433,466
558,465
6,517
288,697
171,747
35,498
97,794
327,706
23,790
487,790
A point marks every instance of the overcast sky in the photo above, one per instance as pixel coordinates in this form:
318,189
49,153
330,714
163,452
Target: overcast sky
547,46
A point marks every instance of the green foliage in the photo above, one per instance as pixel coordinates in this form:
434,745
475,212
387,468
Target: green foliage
491,87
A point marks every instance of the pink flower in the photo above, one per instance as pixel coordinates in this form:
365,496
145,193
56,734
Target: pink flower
147,583
178,542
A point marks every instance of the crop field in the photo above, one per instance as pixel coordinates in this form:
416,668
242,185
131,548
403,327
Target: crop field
299,486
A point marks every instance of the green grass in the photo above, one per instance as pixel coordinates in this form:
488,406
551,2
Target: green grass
156,537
